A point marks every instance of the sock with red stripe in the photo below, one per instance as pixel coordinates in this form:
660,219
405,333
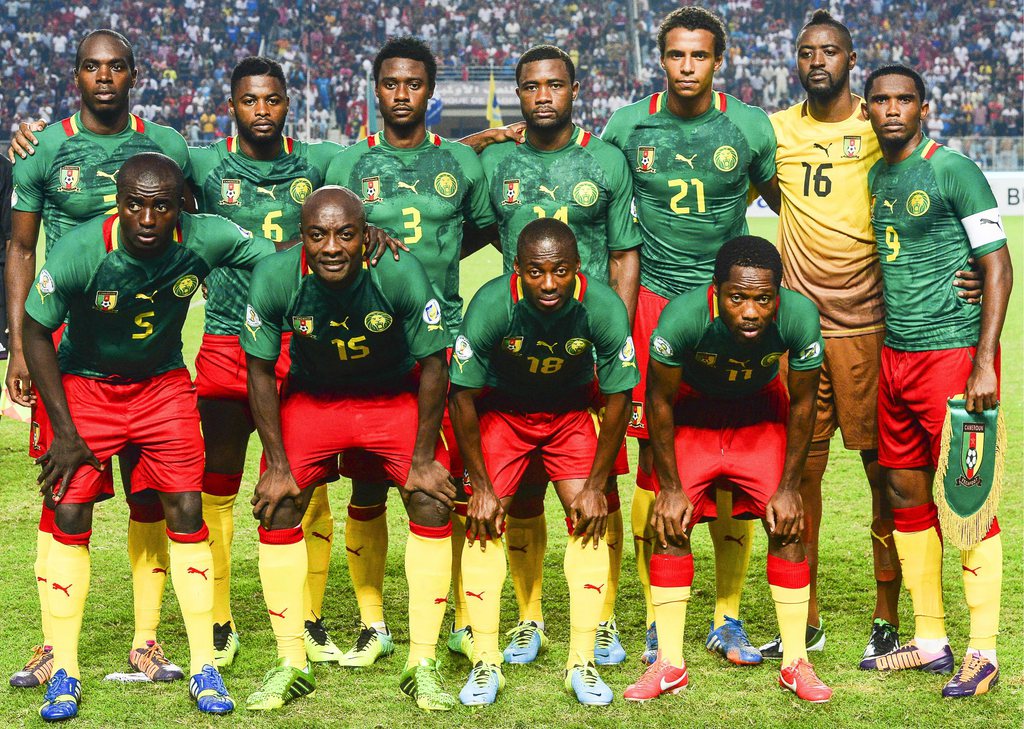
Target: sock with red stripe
613,539
458,549
428,570
526,535
192,576
219,493
366,549
283,569
983,582
67,565
790,583
150,560
318,528
671,580
483,574
643,534
44,538
920,549
733,540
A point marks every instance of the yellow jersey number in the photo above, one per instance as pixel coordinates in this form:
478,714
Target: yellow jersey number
412,223
272,230
684,190
353,348
546,366
561,214
892,239
145,326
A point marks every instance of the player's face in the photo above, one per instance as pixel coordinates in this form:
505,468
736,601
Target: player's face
333,239
548,273
747,302
403,90
259,106
689,62
895,109
148,211
822,61
546,95
104,77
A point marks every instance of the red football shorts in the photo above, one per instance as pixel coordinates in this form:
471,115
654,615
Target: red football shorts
157,416
912,391
40,434
316,428
649,306
221,369
723,442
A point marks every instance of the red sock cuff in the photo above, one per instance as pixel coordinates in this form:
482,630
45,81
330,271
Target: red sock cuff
222,484
281,536
992,530
366,513
791,575
461,508
916,518
46,520
569,525
613,502
429,532
147,512
194,538
644,480
669,570
72,540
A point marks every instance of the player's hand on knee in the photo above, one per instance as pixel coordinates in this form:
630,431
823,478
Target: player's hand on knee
275,486
785,515
589,514
671,517
18,381
982,389
431,479
57,466
485,517
378,241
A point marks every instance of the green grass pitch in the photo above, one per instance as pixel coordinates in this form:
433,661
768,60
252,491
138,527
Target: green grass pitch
719,695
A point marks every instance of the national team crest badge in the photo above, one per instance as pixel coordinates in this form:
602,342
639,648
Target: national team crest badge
511,193
708,359
918,203
300,189
371,190
230,192
69,177
303,325
512,345
972,454
576,346
851,147
185,286
637,416
377,321
645,159
726,158
106,300
446,185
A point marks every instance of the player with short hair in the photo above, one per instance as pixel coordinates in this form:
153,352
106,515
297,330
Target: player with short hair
523,376
424,190
719,412
932,208
359,334
123,283
693,152
562,171
69,180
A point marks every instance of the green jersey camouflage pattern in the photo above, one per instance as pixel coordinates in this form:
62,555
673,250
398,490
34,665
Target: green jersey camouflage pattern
585,184
690,182
72,177
125,314
262,196
365,338
544,362
691,335
421,196
930,212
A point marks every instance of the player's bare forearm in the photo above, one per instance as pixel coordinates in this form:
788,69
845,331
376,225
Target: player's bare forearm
803,403
20,270
609,440
466,424
473,239
624,278
771,193
430,406
481,140
265,404
41,357
982,386
662,385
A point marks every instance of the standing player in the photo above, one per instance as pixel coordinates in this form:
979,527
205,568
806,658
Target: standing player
694,153
258,179
719,412
423,189
123,283
523,381
563,172
68,180
932,208
358,333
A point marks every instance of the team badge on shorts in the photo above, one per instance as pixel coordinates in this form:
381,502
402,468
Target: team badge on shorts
185,286
106,300
645,159
230,192
371,190
252,321
432,316
637,415
918,203
585,193
511,196
708,359
69,177
725,158
300,189
377,321
446,185
851,147
576,346
303,325
512,345
46,285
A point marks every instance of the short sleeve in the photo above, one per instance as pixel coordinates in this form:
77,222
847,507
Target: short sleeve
763,146
485,323
64,276
407,288
680,328
800,326
228,244
339,168
970,196
616,130
623,232
613,344
265,309
476,203
29,176
321,154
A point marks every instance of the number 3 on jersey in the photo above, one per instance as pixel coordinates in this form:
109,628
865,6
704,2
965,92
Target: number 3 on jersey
412,223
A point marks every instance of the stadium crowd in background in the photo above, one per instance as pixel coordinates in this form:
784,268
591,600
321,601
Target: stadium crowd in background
972,65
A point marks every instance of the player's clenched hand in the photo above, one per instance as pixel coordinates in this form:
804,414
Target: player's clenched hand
589,514
982,391
19,383
378,241
785,515
485,519
66,455
671,517
274,486
432,479
25,141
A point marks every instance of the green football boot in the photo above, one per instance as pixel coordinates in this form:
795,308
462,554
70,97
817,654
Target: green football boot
370,645
422,682
282,684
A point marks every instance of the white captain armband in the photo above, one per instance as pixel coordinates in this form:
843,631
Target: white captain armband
984,228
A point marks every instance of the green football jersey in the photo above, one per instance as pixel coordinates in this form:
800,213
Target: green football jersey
365,338
421,196
690,182
930,212
125,314
72,177
544,361
691,335
262,196
586,184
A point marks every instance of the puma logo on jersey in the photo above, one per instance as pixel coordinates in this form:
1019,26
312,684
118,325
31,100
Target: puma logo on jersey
738,540
264,191
356,551
968,569
688,161
884,539
278,615
823,149
742,363
407,186
109,176
146,297
477,595
595,588
551,347
548,191
62,588
325,537
194,571
888,204
343,323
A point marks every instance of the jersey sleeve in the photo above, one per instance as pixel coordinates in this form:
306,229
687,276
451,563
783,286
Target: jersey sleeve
269,293
407,288
174,146
476,203
202,161
321,154
970,196
616,131
485,323
340,167
763,145
613,344
800,327
623,232
64,276
679,331
230,245
29,177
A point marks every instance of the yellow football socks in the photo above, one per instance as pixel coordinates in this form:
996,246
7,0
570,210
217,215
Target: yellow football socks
733,540
586,571
44,538
284,565
318,528
790,583
671,580
366,547
982,569
613,539
218,513
148,556
458,548
67,567
192,577
428,570
643,534
920,549
483,574
527,540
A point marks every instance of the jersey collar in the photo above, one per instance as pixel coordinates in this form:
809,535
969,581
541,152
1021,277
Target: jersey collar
287,146
377,140
580,138
73,125
112,233
516,287
719,103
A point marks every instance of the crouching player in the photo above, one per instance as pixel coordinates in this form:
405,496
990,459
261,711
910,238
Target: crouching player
719,414
124,283
358,334
523,384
